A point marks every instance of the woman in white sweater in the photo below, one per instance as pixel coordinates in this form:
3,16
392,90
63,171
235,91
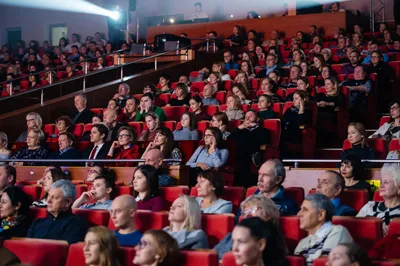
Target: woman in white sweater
391,129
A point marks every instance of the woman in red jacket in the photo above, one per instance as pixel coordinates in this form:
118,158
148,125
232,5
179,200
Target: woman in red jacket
124,147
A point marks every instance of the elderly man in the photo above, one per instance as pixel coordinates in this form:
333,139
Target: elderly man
122,95
295,74
60,223
102,192
122,214
8,177
331,184
110,120
155,158
208,98
82,114
147,105
315,217
271,176
66,149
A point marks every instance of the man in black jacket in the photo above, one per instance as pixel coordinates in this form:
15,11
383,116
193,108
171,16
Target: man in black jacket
110,120
81,115
66,149
100,148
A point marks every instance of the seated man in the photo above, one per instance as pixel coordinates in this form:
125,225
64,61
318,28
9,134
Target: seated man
208,98
185,80
147,105
372,47
122,213
122,95
154,157
82,114
8,177
102,192
354,62
331,184
110,117
271,63
66,150
60,223
271,176
295,74
229,62
100,148
315,217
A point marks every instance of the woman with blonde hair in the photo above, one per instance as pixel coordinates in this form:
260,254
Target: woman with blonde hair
101,247
33,120
157,248
234,108
185,223
33,150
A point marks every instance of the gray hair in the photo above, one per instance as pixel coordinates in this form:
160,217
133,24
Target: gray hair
393,170
328,51
67,188
267,204
126,86
37,118
322,202
84,96
339,180
279,170
4,137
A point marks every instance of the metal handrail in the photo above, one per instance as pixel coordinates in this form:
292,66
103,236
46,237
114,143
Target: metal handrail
85,160
297,161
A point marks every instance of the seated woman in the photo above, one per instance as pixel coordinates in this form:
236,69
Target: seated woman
260,52
33,150
5,153
34,81
236,39
100,64
275,75
150,88
210,187
389,190
182,98
391,129
219,67
210,155
188,130
63,124
124,147
249,56
152,123
50,177
70,69
348,254
251,46
215,79
131,107
295,118
242,79
304,68
253,206
269,87
326,73
351,169
164,84
331,101
319,62
357,40
185,223
220,120
265,105
164,141
195,104
357,136
114,105
33,120
145,184
241,92
101,247
263,238
234,108
247,67
297,57
160,243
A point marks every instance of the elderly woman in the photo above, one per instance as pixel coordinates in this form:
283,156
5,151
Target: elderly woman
210,187
390,129
33,120
389,190
5,153
34,149
185,223
253,206
124,147
14,213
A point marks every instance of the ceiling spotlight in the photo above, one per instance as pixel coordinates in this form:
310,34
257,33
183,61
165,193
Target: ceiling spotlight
172,20
231,16
115,15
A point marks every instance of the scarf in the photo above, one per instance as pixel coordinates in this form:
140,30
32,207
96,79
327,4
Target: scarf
11,222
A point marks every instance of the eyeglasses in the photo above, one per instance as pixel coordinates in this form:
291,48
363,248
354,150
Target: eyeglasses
29,120
92,171
394,108
251,211
123,135
374,57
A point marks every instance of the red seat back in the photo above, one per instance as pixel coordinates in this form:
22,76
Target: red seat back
49,129
233,73
394,145
174,112
197,86
170,194
163,99
384,119
169,124
202,126
210,109
378,144
78,130
138,126
124,190
200,258
365,231
291,229
377,197
217,226
296,193
38,252
33,191
394,227
37,213
220,96
354,198
93,217
188,147
274,127
250,191
98,111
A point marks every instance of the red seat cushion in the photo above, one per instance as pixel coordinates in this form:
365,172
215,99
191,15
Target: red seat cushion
174,112
33,191
200,258
217,226
170,194
93,217
291,229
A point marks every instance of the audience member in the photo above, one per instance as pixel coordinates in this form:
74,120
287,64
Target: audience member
234,108
14,213
332,184
347,254
60,224
157,248
294,75
391,129
51,175
99,148
33,121
188,130
146,106
265,106
110,119
315,217
125,147
220,120
389,190
327,54
5,153
316,68
154,157
34,149
351,169
196,104
215,81
182,98
82,114
357,136
8,177
185,223
354,62
131,108
236,39
152,122
208,98
268,87
164,82
122,213
229,62
66,149
372,47
297,57
98,170
145,184
101,247
210,187
258,242
102,192
240,90
386,248
122,95
270,64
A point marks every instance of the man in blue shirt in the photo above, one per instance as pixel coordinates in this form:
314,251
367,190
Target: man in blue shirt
208,95
271,176
372,47
271,63
229,63
60,223
122,212
331,184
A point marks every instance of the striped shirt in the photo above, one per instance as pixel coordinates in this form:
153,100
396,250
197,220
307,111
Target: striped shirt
379,210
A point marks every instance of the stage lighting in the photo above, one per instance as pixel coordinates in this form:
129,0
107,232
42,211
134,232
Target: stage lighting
115,15
172,21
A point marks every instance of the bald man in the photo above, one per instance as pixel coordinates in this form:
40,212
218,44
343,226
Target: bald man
155,158
122,212
110,120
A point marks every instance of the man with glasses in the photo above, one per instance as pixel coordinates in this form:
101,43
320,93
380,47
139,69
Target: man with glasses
122,95
271,62
372,47
229,62
110,120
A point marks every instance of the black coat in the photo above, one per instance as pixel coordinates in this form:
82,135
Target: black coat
102,154
69,154
114,133
85,117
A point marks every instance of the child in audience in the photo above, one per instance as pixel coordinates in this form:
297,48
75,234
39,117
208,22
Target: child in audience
152,123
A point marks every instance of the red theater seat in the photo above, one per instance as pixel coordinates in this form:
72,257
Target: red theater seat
202,126
365,231
227,84
216,226
322,262
38,252
197,86
97,111
229,260
33,191
169,124
170,194
163,99
394,145
138,126
174,112
49,129
394,227
188,147
78,130
200,258
124,190
220,96
354,198
233,73
93,217
377,197
36,213
291,229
